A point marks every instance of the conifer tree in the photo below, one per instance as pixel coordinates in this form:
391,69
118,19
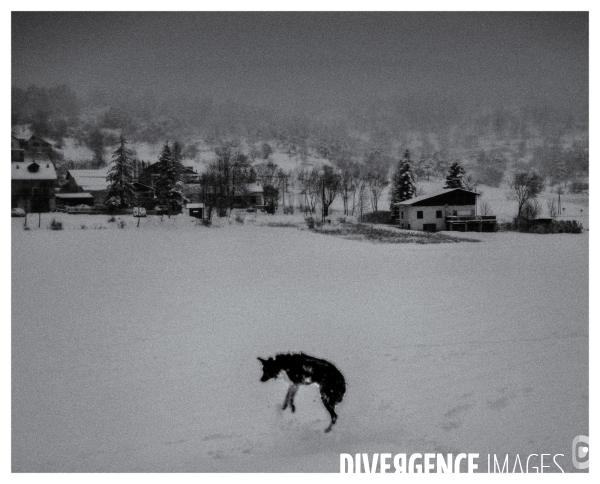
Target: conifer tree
403,181
168,186
454,177
403,184
120,178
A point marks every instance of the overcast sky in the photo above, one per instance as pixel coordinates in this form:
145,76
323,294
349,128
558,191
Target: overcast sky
307,59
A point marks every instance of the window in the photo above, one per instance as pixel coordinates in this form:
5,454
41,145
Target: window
402,214
420,214
438,214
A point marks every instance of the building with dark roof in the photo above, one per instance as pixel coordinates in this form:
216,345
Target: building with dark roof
448,209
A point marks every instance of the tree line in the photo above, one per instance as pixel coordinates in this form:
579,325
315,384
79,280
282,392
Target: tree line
359,185
553,142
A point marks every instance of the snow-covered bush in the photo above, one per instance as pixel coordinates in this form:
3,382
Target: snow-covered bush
379,217
55,225
558,227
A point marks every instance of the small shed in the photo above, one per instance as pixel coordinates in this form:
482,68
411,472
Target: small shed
196,210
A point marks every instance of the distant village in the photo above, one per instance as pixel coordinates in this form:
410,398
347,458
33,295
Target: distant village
36,187
233,181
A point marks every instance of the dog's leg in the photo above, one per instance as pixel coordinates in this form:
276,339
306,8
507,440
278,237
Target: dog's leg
330,408
289,397
293,389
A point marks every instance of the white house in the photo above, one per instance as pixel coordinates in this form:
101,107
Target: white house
448,209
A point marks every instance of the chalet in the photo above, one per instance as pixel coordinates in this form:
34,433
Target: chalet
92,182
32,185
449,209
190,175
34,144
37,144
17,153
253,196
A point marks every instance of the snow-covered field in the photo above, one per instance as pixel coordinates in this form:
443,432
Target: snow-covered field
135,349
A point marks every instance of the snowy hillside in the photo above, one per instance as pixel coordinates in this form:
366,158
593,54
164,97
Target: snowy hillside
135,349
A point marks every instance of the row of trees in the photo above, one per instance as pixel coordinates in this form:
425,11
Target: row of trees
168,188
226,179
358,184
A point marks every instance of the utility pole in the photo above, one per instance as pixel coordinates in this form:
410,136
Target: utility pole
323,201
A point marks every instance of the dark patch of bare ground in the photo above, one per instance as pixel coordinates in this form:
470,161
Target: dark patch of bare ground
388,235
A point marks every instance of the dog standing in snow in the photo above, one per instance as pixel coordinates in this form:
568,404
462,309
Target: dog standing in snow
302,369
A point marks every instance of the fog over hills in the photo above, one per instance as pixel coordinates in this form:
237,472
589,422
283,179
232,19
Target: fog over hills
512,87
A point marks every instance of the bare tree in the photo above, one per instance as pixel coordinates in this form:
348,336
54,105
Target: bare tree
360,187
376,176
226,178
419,190
348,175
525,186
266,173
308,181
470,183
361,198
330,181
531,210
485,208
552,208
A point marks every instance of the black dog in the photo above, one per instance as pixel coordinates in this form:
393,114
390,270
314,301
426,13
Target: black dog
302,369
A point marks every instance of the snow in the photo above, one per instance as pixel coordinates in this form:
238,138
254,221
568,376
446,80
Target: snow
135,349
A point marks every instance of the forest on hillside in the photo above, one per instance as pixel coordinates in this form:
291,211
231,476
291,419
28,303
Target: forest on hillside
438,131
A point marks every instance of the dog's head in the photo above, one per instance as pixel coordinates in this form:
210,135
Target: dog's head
270,369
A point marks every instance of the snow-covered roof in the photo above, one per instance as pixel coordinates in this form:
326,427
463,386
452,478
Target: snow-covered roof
254,188
414,200
21,170
195,205
90,180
